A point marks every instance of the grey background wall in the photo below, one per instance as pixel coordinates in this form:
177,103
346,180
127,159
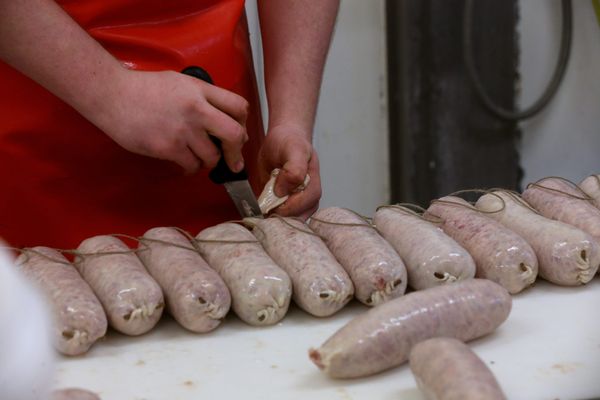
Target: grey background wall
351,131
564,139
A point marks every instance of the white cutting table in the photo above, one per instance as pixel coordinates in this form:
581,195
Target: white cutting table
549,348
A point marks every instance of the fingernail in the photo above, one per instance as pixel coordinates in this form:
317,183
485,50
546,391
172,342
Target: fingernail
239,166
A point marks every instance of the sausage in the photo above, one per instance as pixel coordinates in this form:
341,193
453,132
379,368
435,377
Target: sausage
375,268
432,258
500,254
564,207
74,394
261,291
566,255
591,186
132,300
79,319
196,295
382,337
321,286
447,369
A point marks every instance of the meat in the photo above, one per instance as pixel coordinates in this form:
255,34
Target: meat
383,337
375,268
591,186
132,300
260,290
431,257
500,254
79,319
447,369
566,255
196,295
560,200
321,286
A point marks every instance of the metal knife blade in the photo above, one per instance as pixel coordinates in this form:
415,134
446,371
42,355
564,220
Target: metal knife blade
243,197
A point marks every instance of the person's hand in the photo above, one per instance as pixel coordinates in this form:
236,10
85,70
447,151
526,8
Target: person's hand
168,115
288,148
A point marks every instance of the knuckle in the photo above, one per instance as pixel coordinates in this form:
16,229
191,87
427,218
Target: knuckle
237,134
296,174
244,107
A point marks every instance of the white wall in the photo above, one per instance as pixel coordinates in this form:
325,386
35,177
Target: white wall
351,132
564,139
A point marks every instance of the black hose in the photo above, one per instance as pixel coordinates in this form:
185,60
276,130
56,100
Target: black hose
559,71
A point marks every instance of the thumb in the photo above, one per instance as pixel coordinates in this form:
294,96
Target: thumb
293,172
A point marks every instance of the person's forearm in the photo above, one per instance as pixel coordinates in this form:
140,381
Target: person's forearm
296,36
43,42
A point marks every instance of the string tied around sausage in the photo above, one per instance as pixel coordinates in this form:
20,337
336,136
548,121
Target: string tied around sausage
585,196
516,196
367,221
414,210
74,252
470,206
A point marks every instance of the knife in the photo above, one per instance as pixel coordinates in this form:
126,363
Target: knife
236,184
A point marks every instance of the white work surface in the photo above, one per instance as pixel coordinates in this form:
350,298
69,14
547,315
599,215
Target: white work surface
549,348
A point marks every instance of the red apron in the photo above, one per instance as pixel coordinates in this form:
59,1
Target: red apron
63,180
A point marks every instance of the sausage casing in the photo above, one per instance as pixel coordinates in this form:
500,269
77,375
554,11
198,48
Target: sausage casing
132,300
261,291
500,254
377,271
382,337
196,295
431,257
447,369
564,207
321,286
566,255
79,319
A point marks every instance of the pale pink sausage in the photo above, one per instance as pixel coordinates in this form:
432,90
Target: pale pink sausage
500,254
591,185
79,319
132,300
447,369
562,207
382,337
375,268
196,295
74,394
431,257
261,291
566,255
321,286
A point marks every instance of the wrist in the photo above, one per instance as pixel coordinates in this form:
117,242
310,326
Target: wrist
284,128
96,95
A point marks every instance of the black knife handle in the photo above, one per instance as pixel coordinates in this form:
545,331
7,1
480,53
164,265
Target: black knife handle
221,173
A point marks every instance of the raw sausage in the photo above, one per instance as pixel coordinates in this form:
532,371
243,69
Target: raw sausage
566,255
564,207
447,369
196,295
132,300
260,290
431,257
500,254
591,186
382,337
375,268
321,286
74,394
79,319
